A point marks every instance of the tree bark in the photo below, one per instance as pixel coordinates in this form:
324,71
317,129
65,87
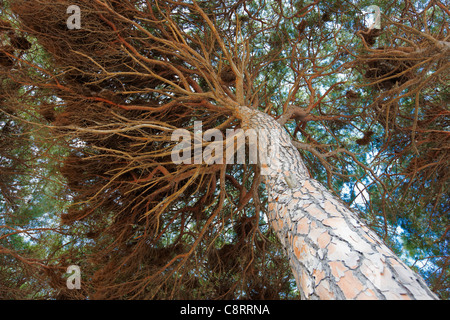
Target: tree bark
333,255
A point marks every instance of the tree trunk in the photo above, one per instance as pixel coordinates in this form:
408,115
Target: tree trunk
333,255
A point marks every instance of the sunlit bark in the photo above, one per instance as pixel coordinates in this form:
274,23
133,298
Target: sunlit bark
333,255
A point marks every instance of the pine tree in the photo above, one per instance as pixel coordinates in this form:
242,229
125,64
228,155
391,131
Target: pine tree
340,106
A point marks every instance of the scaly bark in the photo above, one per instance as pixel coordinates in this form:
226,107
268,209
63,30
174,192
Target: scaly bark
333,255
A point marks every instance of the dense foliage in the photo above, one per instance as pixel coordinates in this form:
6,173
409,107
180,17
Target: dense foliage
86,117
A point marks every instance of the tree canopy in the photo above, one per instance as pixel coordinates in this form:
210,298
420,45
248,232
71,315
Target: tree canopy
86,118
